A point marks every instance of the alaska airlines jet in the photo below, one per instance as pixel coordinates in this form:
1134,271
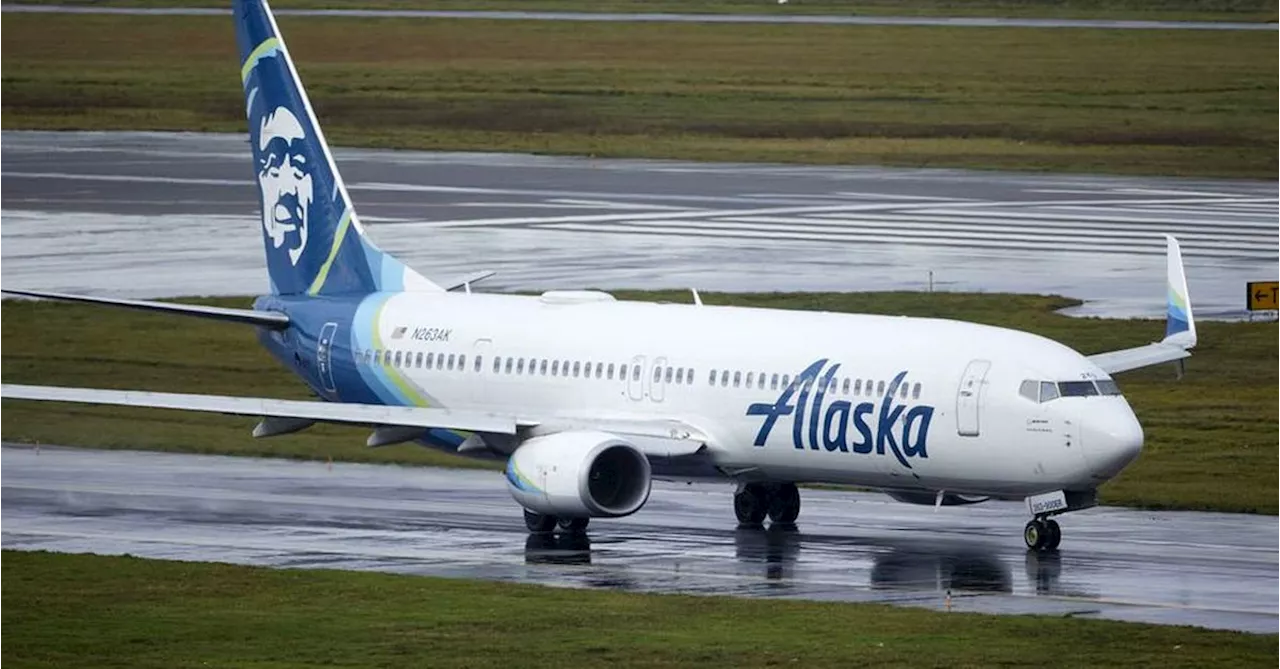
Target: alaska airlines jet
588,399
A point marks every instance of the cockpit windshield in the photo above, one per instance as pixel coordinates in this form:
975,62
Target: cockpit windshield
1045,391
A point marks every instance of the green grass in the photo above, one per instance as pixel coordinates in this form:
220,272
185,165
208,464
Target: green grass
1152,102
92,611
1210,438
1169,10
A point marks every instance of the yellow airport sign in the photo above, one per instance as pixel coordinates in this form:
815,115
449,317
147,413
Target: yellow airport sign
1262,295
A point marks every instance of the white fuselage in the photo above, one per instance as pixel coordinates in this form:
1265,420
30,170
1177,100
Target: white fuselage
955,421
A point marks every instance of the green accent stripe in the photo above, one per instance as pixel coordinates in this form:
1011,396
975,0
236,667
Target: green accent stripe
333,254
392,373
256,55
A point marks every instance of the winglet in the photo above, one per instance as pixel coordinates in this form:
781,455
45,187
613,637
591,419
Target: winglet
1180,326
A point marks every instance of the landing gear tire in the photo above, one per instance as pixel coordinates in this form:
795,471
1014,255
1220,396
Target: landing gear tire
1042,535
784,504
573,525
751,504
539,523
1055,534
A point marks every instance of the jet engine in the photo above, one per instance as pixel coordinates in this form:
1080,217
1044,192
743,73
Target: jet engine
579,474
931,498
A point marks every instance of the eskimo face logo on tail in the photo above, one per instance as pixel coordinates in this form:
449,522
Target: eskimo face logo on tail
284,182
883,428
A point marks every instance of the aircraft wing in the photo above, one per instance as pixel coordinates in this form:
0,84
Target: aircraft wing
1179,330
304,410
1140,356
655,438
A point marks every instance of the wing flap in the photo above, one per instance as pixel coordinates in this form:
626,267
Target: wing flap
327,412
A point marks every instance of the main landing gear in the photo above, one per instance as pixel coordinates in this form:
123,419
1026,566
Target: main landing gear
1042,534
542,523
779,501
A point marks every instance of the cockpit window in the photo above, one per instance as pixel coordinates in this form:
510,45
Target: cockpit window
1077,388
1030,390
1048,391
1108,387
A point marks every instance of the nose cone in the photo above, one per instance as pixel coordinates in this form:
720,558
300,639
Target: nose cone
1112,439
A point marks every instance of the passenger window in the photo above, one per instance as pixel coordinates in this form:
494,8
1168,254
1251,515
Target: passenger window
479,360
397,363
786,380
680,375
622,372
520,366
542,367
431,359
635,372
608,372
667,376
657,374
417,360
689,376
599,370
577,367
462,363
844,389
750,378
880,388
1048,391
497,364
773,382
555,368
450,364
737,377
902,391
915,392
724,378
510,364
1029,389
712,379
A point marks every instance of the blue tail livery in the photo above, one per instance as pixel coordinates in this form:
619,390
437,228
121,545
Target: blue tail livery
314,242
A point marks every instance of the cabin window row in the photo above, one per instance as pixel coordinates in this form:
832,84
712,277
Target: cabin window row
588,369
843,386
419,360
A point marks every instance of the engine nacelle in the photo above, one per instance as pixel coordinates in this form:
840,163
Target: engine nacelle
930,498
579,474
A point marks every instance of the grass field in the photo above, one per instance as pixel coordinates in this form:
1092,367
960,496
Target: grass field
1152,102
78,610
1210,438
1168,10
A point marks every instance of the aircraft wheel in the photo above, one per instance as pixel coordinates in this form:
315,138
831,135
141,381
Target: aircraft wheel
1055,534
574,525
751,504
1035,534
540,523
784,504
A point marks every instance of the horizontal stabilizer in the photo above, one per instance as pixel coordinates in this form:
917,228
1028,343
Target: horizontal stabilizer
267,319
1141,356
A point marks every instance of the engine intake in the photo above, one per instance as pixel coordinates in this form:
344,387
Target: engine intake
579,474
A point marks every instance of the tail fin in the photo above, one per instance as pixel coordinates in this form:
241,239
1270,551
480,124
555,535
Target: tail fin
1180,325
314,242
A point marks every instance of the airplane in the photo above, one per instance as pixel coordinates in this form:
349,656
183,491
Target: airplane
588,399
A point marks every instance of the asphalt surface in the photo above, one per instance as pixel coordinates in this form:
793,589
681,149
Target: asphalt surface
1211,570
171,214
650,17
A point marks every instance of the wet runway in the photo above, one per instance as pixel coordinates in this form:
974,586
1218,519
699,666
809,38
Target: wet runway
170,214
653,17
1212,570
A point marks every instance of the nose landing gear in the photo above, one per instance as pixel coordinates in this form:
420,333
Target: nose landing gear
1042,534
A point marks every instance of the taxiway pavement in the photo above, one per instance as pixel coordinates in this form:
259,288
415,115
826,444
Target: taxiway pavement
171,214
1205,569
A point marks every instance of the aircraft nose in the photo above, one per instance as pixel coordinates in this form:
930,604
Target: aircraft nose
1113,439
